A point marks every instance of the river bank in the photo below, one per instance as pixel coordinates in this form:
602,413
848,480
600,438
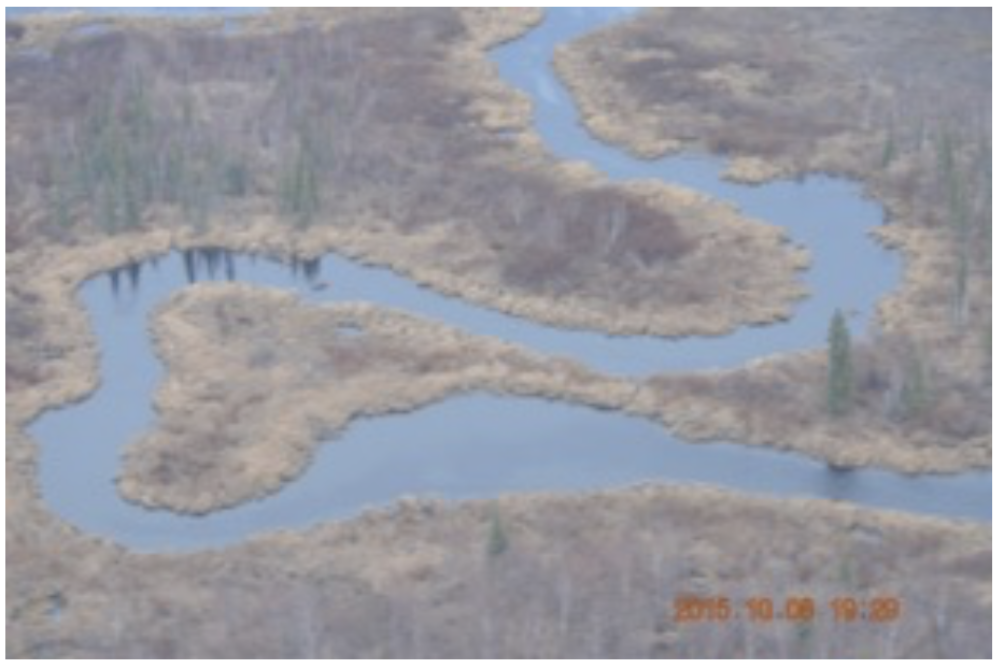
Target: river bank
584,575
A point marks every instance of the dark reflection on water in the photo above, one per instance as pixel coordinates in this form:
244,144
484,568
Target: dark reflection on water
208,263
132,272
839,484
212,263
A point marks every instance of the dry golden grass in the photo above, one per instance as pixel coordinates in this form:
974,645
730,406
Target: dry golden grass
256,380
584,575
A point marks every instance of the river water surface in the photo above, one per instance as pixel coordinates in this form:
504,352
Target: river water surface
482,445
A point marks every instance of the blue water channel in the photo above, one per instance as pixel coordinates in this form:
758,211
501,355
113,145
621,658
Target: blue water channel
481,445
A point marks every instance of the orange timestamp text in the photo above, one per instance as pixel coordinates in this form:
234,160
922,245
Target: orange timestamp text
763,609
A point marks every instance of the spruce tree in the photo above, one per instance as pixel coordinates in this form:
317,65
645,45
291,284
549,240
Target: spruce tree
498,542
840,371
915,390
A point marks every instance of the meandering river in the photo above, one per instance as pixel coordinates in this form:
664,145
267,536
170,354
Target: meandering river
484,445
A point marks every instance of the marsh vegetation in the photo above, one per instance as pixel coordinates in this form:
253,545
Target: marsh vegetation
898,99
388,136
